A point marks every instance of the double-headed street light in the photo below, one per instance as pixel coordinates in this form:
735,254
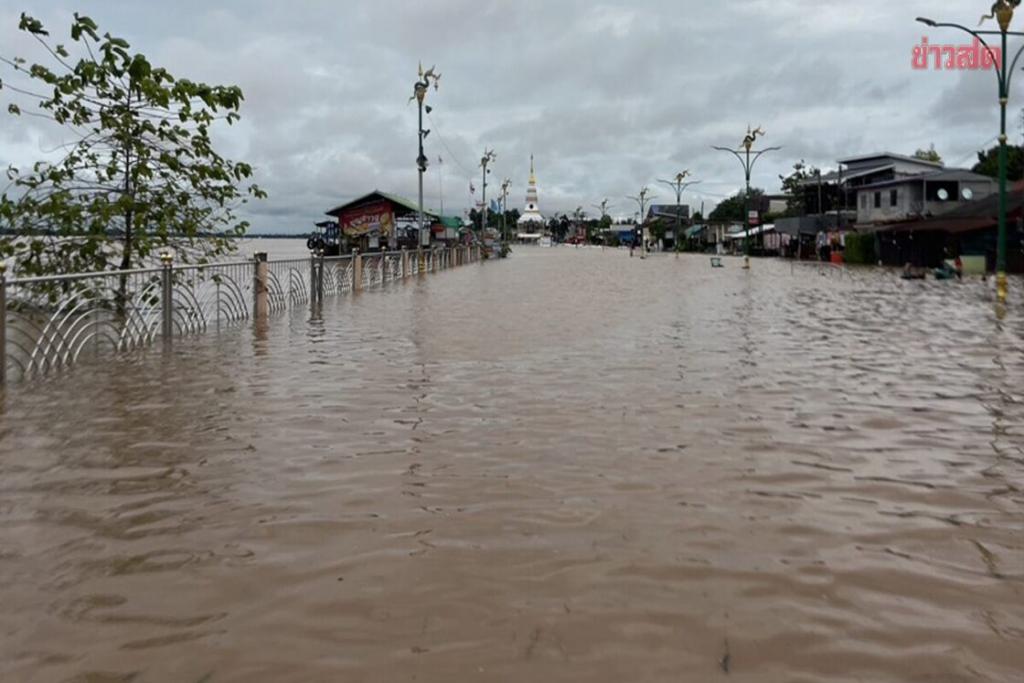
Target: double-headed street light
485,161
641,200
506,183
1002,12
679,185
419,93
744,153
603,207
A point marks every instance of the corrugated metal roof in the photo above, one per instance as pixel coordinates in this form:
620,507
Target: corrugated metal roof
888,155
834,176
951,175
393,198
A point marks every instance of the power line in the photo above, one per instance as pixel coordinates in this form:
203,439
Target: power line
451,154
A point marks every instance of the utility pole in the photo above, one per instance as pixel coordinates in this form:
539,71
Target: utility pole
679,186
487,158
419,94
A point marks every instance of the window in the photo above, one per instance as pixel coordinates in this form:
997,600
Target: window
864,201
878,200
893,197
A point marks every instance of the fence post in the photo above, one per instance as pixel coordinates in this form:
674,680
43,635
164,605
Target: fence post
405,263
312,279
261,288
167,297
320,275
3,324
357,271
420,261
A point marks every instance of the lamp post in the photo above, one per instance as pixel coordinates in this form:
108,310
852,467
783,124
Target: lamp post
641,200
1002,12
679,186
419,93
487,158
603,206
747,161
505,184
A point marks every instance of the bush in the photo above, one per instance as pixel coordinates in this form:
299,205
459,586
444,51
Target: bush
860,248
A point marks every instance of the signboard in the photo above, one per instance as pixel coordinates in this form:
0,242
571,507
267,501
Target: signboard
376,218
753,218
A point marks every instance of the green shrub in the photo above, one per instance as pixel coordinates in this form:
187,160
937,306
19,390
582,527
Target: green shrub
860,248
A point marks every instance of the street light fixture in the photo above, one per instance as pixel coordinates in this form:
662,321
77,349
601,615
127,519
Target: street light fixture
487,158
641,200
419,93
505,184
1002,12
747,161
603,207
679,186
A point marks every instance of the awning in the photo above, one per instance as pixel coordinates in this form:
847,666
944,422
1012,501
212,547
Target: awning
753,231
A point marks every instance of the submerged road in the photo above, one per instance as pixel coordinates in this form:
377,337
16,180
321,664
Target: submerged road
566,466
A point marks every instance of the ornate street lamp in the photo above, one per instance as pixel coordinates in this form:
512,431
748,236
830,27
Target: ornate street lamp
1002,12
603,207
679,186
505,185
427,78
641,200
487,158
747,161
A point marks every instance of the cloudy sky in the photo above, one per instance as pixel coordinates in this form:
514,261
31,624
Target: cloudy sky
609,96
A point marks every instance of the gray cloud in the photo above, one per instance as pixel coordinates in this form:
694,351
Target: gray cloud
609,96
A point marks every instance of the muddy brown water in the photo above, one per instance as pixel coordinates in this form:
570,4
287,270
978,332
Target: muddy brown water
567,466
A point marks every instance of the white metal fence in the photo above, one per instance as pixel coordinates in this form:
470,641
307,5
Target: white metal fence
51,323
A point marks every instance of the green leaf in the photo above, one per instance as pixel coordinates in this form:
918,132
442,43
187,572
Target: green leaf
140,68
32,25
13,109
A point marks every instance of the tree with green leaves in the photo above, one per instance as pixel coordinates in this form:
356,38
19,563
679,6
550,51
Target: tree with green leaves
794,186
928,154
988,163
733,208
140,172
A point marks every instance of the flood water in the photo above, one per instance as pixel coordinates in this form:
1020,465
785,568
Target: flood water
566,466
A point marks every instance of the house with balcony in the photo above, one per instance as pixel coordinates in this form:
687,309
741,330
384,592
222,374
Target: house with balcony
921,195
868,191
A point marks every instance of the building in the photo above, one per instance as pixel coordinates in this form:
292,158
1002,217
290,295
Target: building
870,190
380,219
919,196
663,218
835,192
531,221
967,228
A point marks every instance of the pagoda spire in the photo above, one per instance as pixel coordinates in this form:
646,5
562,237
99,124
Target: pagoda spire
532,212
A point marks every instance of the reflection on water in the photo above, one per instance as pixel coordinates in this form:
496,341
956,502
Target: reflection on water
570,465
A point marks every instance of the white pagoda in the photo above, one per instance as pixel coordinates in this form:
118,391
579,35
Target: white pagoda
531,218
